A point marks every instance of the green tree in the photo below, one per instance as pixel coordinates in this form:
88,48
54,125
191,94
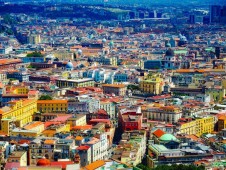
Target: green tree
133,87
35,54
143,167
45,97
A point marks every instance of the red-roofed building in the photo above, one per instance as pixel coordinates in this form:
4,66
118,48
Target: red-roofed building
100,114
158,133
84,152
62,164
86,127
130,121
95,121
12,165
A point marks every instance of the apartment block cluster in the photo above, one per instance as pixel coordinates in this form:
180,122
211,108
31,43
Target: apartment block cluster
102,96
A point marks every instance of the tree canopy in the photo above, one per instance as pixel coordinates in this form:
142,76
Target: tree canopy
35,54
133,87
45,97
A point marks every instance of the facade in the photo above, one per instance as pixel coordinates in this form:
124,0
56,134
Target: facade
63,149
163,155
40,148
9,63
6,49
6,98
153,85
21,76
109,107
51,106
170,114
130,121
121,77
75,83
205,125
221,123
198,126
34,39
77,120
20,112
6,149
18,156
131,148
83,105
108,61
84,152
117,89
98,147
3,77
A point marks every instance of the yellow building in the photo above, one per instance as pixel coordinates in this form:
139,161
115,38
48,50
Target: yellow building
20,112
17,89
198,127
77,120
65,74
18,156
153,84
52,130
24,133
204,125
51,106
188,128
37,126
223,83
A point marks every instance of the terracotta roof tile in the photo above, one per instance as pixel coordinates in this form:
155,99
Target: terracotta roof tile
95,165
158,133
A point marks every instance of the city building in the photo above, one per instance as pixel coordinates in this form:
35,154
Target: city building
75,83
19,112
51,106
153,85
117,89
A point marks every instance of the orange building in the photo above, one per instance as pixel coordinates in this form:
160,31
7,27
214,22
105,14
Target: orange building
221,122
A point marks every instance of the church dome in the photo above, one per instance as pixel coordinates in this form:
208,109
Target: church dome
168,45
183,38
104,40
169,52
69,65
152,36
79,51
168,137
43,162
111,43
